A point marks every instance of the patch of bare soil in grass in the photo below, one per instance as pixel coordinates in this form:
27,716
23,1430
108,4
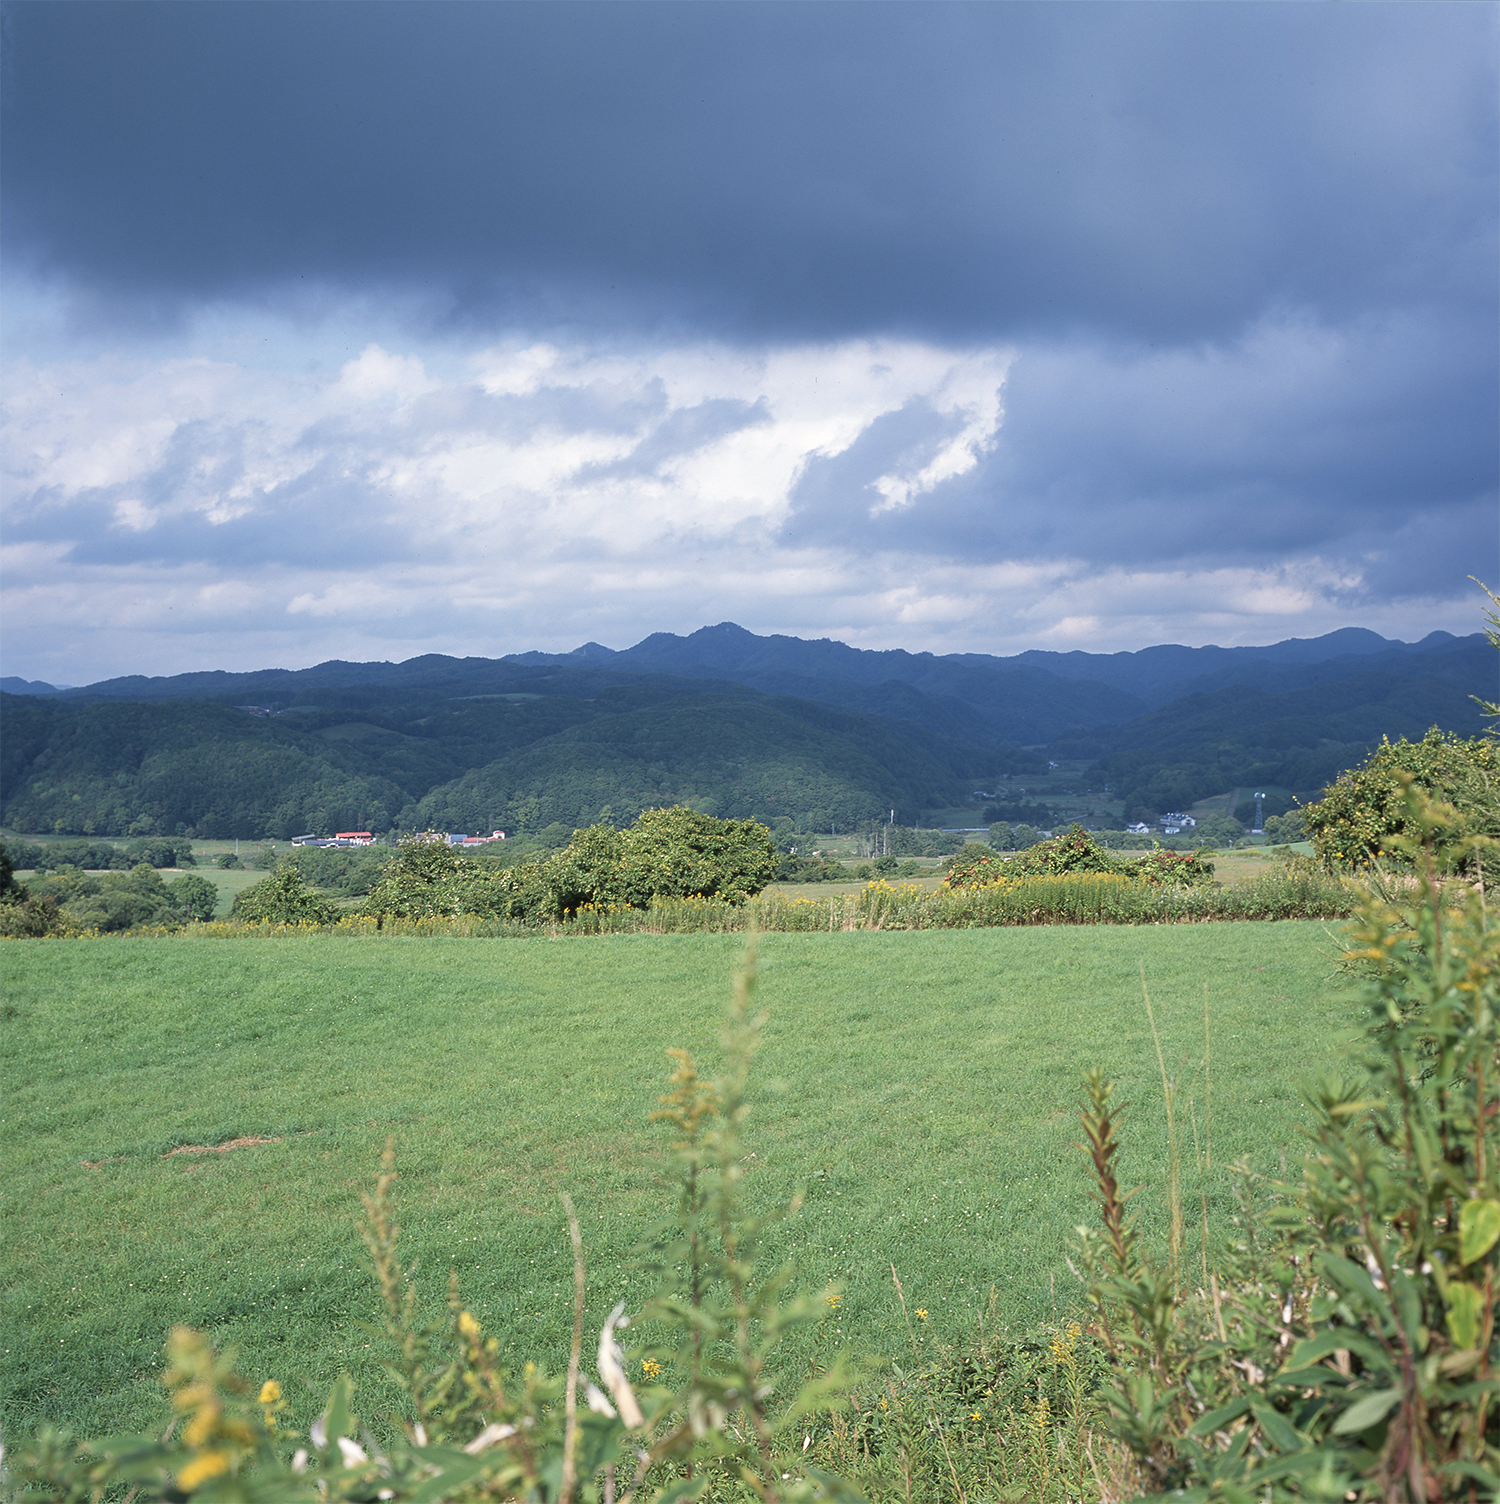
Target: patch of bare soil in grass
234,1143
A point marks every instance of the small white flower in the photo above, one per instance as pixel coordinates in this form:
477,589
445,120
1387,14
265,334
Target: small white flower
352,1451
299,1460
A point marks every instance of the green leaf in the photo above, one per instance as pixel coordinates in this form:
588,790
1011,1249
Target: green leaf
1478,1231
1311,1349
338,1419
1369,1411
1465,1307
1279,1430
1216,1420
1354,1282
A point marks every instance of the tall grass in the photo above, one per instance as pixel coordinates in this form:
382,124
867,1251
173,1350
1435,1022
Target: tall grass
1071,898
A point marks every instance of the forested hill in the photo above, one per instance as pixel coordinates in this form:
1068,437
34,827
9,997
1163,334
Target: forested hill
817,733
1297,742
566,750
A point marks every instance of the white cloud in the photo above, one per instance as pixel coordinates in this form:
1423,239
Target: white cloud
245,501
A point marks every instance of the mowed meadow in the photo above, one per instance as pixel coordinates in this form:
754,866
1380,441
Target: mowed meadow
918,1088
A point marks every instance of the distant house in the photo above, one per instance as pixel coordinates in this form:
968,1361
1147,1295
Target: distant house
354,838
1173,823
494,835
1140,828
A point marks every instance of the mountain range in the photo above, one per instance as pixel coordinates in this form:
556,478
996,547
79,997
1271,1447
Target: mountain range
814,733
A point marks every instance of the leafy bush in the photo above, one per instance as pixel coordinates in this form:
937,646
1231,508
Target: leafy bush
1285,830
974,865
666,853
1364,812
26,918
1347,1348
119,901
1174,869
1075,850
282,898
192,896
351,871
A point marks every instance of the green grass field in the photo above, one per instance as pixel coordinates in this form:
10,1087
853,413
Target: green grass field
920,1086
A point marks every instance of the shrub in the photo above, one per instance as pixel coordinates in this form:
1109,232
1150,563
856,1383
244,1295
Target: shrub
1347,1348
1075,850
811,869
974,865
282,898
1364,813
1285,830
117,901
193,897
25,918
1175,869
666,853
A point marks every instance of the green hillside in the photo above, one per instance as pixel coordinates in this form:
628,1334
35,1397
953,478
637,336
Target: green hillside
381,759
731,757
1301,740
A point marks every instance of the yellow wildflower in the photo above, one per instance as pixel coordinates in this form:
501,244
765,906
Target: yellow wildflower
650,1367
921,1313
974,1415
467,1325
204,1466
833,1302
1065,1345
270,1392
202,1425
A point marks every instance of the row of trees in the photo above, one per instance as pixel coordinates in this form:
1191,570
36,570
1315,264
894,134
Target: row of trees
100,856
665,853
71,901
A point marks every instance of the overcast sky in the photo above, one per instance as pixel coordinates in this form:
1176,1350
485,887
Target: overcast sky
346,330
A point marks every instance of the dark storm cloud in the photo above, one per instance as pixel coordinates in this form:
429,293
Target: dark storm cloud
1371,447
764,170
